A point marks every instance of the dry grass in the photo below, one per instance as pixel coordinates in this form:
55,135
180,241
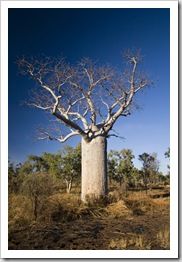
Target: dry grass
20,211
140,242
61,207
128,242
67,207
118,209
163,238
140,203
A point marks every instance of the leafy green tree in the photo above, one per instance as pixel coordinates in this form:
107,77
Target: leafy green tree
136,177
38,163
162,178
25,168
150,167
120,165
154,169
53,163
167,155
32,164
112,166
18,173
146,160
15,176
71,165
126,164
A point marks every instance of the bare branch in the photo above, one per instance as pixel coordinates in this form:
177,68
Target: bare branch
86,98
74,103
118,136
89,101
79,116
39,106
126,99
71,124
46,135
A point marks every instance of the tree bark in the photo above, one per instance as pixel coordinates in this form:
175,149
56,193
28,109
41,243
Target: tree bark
68,185
94,168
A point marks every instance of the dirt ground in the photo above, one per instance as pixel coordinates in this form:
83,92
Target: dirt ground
139,231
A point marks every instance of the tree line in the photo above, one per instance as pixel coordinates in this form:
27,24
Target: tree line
65,166
41,176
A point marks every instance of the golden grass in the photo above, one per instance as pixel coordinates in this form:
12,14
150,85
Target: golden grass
140,203
140,242
118,209
128,242
163,237
62,207
20,212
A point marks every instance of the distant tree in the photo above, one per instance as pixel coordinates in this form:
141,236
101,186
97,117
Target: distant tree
37,185
15,177
126,164
154,169
87,99
112,165
150,166
136,177
38,163
18,173
12,179
162,178
25,168
32,164
120,165
71,165
11,169
167,155
53,163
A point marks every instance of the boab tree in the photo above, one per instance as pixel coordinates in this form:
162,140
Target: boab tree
87,99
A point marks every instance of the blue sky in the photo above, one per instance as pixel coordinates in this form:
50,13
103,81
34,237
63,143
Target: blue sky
100,34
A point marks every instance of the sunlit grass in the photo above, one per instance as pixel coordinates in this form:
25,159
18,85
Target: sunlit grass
63,208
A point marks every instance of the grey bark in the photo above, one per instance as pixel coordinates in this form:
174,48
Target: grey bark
94,168
69,185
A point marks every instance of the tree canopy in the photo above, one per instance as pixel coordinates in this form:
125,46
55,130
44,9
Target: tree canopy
87,97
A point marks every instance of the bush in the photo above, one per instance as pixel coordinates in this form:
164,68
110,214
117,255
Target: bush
37,186
20,211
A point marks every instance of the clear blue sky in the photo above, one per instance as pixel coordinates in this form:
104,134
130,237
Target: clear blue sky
100,34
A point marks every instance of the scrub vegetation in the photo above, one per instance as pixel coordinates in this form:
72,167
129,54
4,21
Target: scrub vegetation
46,210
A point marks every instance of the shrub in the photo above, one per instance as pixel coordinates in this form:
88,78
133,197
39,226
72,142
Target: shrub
19,211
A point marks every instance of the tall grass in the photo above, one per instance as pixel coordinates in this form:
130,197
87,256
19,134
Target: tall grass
66,207
140,242
62,207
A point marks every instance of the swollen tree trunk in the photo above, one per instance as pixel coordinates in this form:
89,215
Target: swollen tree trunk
94,168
